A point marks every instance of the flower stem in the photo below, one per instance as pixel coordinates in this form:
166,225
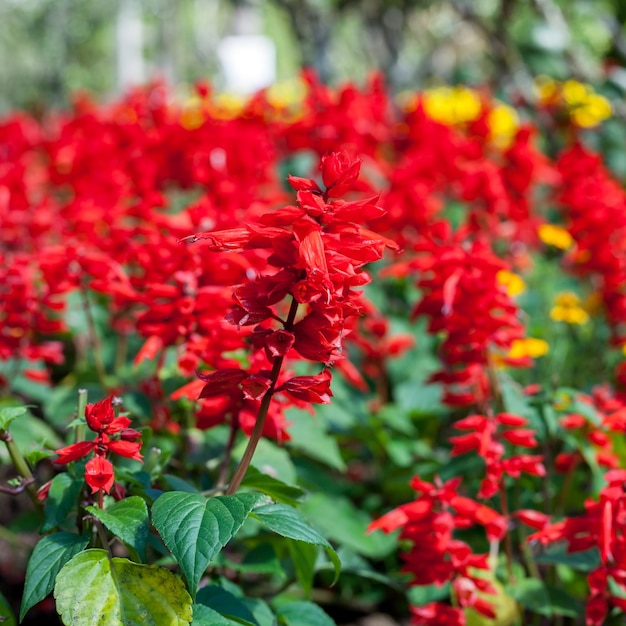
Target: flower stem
79,431
20,464
262,414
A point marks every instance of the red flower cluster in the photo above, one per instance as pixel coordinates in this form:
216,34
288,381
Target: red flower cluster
316,252
603,525
435,556
464,301
101,419
487,437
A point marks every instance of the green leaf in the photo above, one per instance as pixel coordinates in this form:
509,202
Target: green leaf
260,560
261,611
6,614
127,520
287,522
272,487
205,616
347,525
62,498
304,557
585,561
270,459
49,556
195,528
303,614
179,484
309,437
544,599
93,587
227,604
10,413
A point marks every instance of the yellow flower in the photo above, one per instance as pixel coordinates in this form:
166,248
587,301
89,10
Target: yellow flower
556,236
451,105
192,115
513,283
590,112
567,308
547,89
528,347
503,124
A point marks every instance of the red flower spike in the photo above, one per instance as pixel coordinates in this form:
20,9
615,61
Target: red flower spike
99,474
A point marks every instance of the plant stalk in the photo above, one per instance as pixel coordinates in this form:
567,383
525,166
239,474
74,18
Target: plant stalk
257,431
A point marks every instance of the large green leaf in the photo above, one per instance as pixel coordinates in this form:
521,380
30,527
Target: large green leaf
287,522
93,587
127,520
6,614
62,498
49,556
195,528
303,614
274,488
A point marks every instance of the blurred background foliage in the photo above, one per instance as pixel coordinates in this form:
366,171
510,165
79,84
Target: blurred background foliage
51,48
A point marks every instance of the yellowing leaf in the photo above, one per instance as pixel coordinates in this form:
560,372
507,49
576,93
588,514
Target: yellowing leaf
92,588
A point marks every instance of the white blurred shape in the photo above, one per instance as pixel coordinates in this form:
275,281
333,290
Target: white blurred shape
248,62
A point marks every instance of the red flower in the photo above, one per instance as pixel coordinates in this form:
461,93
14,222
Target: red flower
99,474
315,389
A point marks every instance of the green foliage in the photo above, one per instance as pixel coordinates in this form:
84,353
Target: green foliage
128,520
195,528
119,591
48,558
288,522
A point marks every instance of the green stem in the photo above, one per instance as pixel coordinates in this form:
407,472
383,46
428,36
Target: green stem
79,432
262,414
21,466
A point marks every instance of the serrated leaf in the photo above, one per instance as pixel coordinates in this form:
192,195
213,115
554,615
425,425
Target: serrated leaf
127,520
6,614
118,591
226,604
62,498
287,522
272,487
195,528
205,616
49,556
303,614
10,413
